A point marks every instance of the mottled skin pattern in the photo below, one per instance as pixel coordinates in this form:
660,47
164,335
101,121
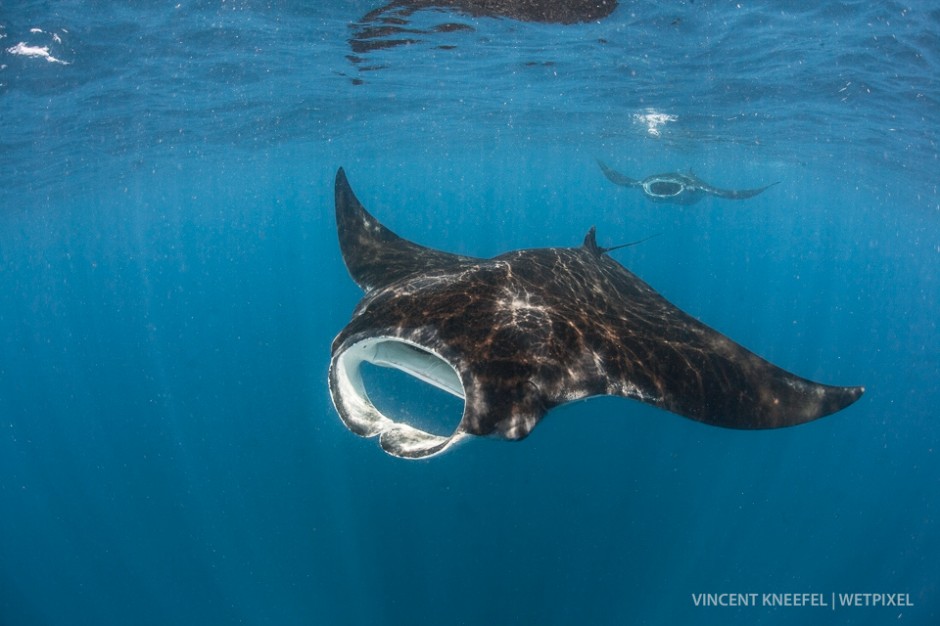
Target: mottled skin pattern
675,188
531,329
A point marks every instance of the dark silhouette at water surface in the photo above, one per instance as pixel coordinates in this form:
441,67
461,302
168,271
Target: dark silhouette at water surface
390,25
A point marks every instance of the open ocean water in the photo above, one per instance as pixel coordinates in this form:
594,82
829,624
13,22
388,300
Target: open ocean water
171,282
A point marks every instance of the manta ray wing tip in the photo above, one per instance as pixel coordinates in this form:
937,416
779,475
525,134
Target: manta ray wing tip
834,399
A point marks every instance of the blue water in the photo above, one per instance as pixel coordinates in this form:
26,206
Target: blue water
170,284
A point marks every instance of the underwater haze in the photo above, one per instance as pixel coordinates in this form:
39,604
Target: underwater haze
171,284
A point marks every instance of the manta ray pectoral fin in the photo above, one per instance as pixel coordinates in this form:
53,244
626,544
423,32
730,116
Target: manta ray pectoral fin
374,255
739,194
768,397
362,417
703,375
695,371
616,177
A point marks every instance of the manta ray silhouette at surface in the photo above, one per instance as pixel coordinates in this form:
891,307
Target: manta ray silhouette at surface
674,188
526,331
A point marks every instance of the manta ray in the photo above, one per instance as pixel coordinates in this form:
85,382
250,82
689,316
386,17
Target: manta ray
526,331
675,188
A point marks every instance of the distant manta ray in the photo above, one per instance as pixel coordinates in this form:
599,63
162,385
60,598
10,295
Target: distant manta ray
675,188
526,331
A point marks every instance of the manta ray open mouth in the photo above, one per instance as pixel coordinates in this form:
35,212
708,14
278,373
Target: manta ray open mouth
362,417
529,330
663,188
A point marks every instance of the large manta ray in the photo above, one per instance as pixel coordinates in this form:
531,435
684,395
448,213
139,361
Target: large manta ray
526,331
675,188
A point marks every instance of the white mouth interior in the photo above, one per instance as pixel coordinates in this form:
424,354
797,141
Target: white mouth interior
413,360
663,188
361,415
